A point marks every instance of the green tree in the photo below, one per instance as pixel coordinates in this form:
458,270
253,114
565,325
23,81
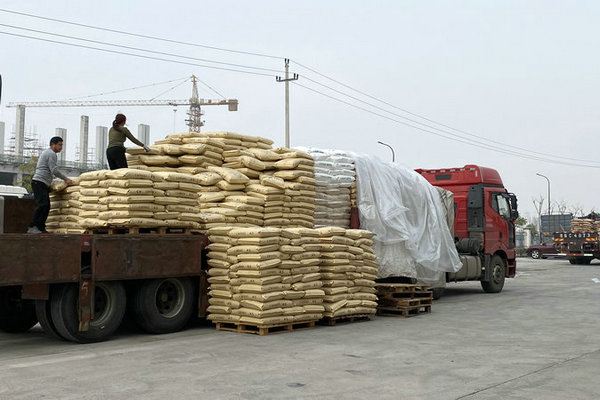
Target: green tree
521,221
28,170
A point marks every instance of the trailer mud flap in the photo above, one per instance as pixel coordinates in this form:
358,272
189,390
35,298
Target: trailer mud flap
486,276
86,302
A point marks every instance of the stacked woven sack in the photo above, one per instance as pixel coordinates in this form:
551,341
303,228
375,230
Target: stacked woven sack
178,193
64,215
239,208
120,198
270,275
583,224
296,168
138,198
282,179
335,177
348,269
180,152
257,277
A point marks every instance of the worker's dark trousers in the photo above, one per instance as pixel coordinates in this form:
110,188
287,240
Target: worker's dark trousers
42,205
116,157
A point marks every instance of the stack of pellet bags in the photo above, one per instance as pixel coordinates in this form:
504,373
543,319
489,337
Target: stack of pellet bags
584,225
335,178
272,276
224,181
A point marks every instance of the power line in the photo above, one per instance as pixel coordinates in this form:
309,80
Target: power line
249,67
138,35
125,90
134,55
169,89
422,117
483,146
139,49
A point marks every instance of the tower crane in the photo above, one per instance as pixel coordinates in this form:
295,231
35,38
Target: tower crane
194,121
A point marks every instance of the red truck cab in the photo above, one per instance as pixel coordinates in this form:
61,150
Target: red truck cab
484,210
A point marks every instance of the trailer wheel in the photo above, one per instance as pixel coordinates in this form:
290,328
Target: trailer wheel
109,309
496,282
572,261
16,315
163,305
42,310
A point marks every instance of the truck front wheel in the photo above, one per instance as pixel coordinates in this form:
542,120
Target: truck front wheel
16,315
498,275
163,305
109,309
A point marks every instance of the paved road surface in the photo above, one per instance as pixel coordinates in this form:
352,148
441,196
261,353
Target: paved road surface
538,339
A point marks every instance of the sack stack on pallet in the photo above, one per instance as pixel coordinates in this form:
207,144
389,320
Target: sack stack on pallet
583,225
348,270
334,176
64,215
256,281
134,198
264,277
118,198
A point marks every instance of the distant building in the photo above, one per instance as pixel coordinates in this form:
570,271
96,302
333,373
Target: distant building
144,133
101,144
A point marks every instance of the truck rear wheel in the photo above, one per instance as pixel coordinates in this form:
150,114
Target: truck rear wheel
109,309
498,275
163,305
16,315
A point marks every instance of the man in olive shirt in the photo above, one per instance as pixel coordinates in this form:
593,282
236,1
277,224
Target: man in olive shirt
45,170
115,152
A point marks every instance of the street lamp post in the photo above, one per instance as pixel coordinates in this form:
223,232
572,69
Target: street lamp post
544,176
390,147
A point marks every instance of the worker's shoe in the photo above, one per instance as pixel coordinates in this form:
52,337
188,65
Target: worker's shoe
33,229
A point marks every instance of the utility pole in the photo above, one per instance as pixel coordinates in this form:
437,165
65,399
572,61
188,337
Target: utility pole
287,99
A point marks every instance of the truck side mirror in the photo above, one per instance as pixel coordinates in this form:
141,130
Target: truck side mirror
514,213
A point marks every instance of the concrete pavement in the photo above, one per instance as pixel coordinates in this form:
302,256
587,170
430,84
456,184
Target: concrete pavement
538,339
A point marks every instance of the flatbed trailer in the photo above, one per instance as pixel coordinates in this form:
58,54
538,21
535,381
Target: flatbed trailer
79,287
579,247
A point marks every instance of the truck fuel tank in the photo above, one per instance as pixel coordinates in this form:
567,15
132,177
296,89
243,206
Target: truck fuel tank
470,271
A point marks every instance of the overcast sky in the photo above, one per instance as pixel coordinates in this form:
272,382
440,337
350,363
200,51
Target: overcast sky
513,73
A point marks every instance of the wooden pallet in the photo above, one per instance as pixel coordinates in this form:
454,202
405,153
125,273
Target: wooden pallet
404,302
135,230
333,321
403,312
390,292
263,329
401,288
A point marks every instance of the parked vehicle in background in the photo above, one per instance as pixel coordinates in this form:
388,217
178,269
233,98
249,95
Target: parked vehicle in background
579,247
541,250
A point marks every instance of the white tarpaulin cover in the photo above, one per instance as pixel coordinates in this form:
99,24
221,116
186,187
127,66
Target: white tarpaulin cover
406,214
